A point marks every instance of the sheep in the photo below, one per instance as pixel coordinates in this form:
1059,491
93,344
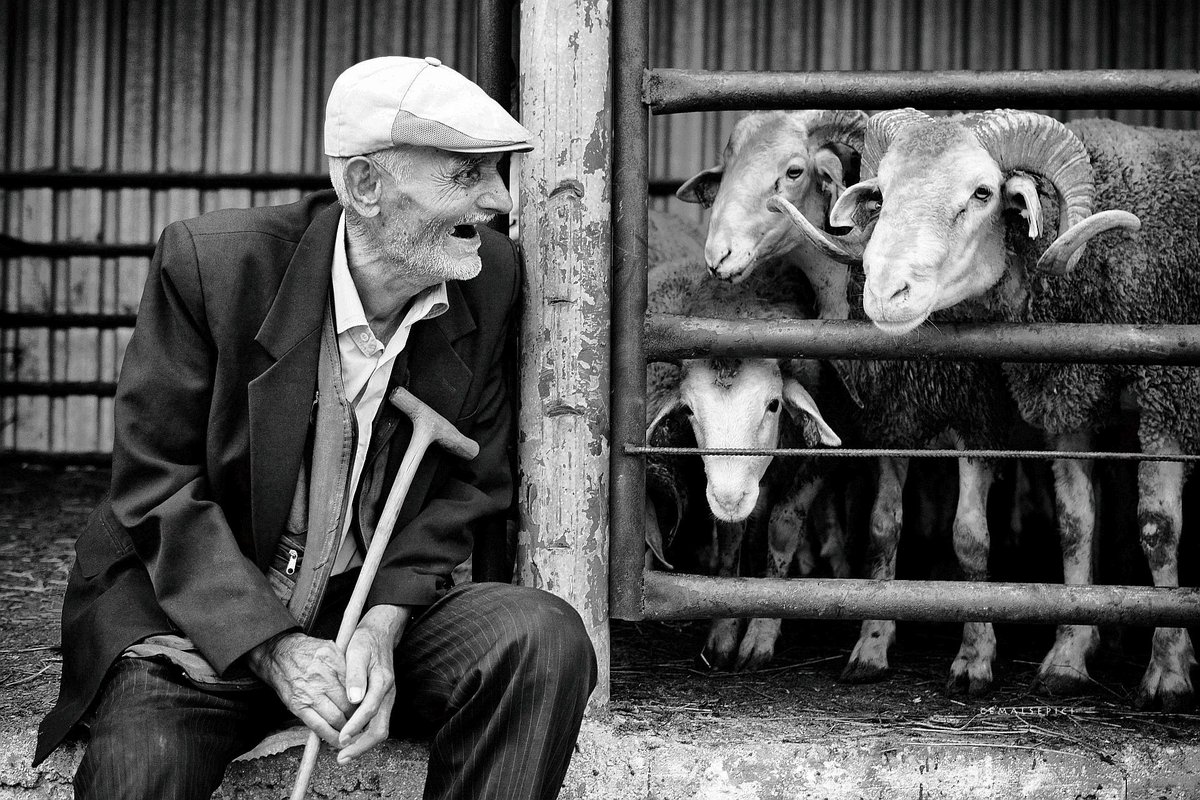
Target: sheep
987,217
807,158
725,402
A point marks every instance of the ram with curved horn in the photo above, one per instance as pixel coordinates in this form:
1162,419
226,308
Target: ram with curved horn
993,216
807,157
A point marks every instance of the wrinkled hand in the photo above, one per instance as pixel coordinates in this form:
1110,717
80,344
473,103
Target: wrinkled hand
309,675
370,679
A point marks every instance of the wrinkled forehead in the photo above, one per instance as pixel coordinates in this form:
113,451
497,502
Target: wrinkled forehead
937,157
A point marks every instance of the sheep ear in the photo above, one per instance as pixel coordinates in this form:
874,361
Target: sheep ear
702,187
654,537
838,165
671,401
800,401
845,211
1021,195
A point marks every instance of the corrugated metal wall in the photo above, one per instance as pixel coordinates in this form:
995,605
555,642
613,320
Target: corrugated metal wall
907,35
238,86
218,86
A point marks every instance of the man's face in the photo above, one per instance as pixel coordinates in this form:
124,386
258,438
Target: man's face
429,213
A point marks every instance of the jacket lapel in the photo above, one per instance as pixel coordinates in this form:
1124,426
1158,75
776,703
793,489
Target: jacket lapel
281,398
438,377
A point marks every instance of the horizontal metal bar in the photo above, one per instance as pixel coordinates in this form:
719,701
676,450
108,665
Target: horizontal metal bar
898,452
671,337
664,187
672,596
671,91
60,321
57,388
92,459
11,247
106,179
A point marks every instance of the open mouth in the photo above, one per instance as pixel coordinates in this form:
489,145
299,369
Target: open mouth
464,232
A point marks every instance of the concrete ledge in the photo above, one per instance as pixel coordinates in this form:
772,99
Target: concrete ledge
613,765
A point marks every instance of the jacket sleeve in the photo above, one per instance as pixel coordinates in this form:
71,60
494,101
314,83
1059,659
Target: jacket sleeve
161,494
420,558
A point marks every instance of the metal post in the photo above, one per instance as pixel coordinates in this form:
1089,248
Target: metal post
630,168
567,239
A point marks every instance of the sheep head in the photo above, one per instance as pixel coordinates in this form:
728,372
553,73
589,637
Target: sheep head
807,157
938,195
738,403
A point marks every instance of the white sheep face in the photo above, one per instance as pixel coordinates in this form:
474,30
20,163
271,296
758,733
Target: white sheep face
767,154
939,233
733,403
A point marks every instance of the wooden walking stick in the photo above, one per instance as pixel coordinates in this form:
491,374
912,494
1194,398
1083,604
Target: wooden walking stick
429,427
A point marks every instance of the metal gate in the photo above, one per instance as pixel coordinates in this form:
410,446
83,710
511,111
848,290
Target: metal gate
636,593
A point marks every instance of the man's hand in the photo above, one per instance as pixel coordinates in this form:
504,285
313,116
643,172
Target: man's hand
371,679
309,676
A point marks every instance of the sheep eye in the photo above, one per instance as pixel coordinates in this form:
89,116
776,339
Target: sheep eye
773,406
794,173
983,194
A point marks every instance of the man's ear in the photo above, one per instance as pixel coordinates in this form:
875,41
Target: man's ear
1021,195
363,185
702,187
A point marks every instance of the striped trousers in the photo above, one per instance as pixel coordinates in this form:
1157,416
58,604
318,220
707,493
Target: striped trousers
497,676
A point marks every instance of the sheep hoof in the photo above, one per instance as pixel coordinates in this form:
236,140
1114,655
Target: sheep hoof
758,645
1167,684
1062,682
964,683
864,672
719,649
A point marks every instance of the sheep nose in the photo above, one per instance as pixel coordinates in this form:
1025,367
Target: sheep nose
900,293
730,501
716,251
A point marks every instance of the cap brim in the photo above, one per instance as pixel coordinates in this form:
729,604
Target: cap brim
516,147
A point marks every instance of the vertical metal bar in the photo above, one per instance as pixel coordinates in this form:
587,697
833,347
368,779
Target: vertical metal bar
494,66
630,170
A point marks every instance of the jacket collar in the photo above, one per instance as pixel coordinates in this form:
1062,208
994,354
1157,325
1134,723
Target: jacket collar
281,398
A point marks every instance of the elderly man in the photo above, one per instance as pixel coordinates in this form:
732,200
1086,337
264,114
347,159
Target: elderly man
254,447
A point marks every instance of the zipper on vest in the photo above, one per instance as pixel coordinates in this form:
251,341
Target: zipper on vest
293,560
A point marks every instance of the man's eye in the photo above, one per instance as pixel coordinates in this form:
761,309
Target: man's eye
469,176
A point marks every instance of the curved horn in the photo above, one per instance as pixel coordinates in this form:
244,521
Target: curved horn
881,131
844,249
1036,143
844,127
1061,255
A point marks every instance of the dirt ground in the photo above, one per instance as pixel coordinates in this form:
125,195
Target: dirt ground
656,687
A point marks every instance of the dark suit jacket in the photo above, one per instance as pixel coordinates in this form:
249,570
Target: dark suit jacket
212,413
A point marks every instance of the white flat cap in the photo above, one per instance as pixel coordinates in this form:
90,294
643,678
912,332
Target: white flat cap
393,100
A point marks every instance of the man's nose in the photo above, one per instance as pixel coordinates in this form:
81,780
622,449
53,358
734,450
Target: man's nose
495,197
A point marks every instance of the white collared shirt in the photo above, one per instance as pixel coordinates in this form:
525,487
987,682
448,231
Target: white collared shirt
366,367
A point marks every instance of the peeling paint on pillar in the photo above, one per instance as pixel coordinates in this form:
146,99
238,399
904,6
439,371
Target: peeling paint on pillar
566,236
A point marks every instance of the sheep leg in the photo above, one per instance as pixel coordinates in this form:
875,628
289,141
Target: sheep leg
785,529
971,670
723,632
1160,518
869,659
1064,669
827,525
